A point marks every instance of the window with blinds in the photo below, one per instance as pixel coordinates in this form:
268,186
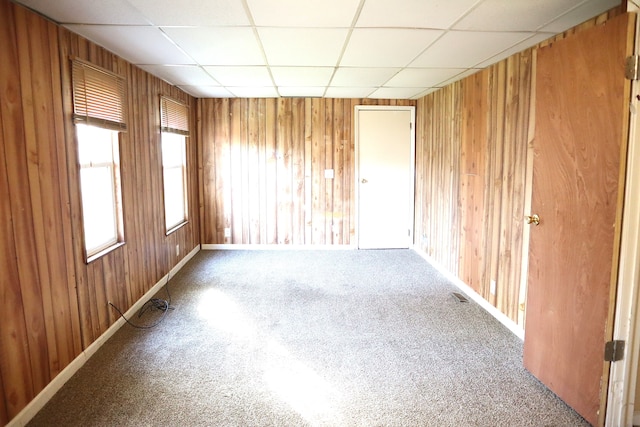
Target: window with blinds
99,114
174,132
99,97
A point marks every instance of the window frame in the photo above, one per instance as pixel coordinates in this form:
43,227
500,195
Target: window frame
175,121
99,101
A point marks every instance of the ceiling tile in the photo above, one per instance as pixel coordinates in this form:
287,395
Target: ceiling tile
303,13
301,76
207,91
138,45
464,49
362,77
302,46
510,15
369,47
218,45
580,14
422,77
302,92
396,92
349,92
460,76
193,12
523,45
115,12
190,75
241,76
413,13
254,92
425,92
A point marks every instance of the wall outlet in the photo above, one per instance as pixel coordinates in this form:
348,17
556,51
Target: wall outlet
492,287
177,250
227,232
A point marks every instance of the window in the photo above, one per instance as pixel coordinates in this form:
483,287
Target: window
100,183
175,130
98,101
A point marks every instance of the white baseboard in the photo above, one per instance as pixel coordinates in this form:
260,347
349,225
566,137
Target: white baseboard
274,247
29,411
501,317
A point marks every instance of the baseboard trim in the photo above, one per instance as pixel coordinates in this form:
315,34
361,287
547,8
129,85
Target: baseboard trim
275,247
476,297
29,411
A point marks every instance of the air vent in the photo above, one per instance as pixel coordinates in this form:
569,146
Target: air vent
459,297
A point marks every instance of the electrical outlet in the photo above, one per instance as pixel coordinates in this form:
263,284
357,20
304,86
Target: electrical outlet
492,287
177,250
227,232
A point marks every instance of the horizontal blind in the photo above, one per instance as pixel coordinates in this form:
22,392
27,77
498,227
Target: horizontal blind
175,116
99,97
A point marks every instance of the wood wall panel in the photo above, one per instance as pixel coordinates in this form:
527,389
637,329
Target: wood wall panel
472,163
54,304
263,164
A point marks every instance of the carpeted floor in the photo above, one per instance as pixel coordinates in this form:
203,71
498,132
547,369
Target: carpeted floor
310,338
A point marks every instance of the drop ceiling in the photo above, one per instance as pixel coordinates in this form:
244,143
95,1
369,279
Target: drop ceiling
398,49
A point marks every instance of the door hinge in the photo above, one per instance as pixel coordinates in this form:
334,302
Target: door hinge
631,67
614,351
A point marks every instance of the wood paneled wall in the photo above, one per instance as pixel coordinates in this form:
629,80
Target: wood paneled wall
263,165
54,304
473,165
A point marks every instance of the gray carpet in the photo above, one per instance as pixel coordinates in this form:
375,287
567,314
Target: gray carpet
310,338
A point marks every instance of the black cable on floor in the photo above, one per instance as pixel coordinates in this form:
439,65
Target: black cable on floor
153,304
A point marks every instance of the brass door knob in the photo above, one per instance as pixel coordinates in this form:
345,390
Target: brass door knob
533,219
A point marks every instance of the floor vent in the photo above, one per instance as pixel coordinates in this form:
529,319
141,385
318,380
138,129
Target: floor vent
459,297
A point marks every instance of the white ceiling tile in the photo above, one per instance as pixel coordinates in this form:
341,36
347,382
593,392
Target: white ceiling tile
397,92
241,76
302,46
115,12
207,91
303,13
510,15
413,13
138,45
349,92
374,47
254,92
218,45
193,12
523,45
581,13
210,48
362,77
464,49
301,76
306,92
425,93
422,77
190,75
460,76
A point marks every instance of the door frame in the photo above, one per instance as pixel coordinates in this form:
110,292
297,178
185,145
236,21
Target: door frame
410,219
623,375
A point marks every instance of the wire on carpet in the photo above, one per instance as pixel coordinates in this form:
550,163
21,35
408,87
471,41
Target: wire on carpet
154,304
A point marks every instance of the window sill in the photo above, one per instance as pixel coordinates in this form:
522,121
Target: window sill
103,252
176,228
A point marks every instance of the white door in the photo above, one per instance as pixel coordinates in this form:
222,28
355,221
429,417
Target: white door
385,153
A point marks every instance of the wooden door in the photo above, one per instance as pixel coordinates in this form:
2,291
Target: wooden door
582,102
385,177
